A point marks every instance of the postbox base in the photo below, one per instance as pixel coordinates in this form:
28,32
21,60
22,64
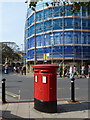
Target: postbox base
45,106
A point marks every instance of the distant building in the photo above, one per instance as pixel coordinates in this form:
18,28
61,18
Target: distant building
60,38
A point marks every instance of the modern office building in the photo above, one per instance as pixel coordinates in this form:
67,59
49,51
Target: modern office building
54,37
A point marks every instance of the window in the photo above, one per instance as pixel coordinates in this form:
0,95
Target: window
56,12
67,9
68,23
38,41
47,25
57,24
84,11
51,39
57,38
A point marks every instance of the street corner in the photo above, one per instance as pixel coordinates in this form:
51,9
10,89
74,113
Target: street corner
65,109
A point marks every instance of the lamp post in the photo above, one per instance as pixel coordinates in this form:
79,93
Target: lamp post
35,58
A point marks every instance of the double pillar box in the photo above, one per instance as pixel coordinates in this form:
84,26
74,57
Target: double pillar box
45,87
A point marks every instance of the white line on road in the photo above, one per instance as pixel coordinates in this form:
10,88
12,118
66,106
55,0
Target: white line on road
12,94
68,88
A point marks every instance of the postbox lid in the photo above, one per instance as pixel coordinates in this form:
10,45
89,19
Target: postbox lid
45,66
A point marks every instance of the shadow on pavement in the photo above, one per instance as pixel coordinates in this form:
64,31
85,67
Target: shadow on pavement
73,107
6,115
59,119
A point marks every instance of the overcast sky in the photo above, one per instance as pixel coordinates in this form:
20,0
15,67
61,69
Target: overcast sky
12,21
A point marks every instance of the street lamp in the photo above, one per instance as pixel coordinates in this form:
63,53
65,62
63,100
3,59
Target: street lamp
35,57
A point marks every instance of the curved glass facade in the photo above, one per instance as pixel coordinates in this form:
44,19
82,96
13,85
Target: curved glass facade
60,36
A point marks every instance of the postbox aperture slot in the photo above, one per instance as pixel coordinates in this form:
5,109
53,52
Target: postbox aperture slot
36,71
44,71
44,79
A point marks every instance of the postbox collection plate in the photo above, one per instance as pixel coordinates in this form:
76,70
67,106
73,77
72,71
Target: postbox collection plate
36,78
44,79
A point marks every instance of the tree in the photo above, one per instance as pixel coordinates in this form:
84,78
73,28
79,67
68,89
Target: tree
75,8
9,54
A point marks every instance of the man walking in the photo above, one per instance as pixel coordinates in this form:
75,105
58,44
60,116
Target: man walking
24,70
88,71
83,71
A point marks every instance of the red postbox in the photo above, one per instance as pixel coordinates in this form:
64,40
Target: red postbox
45,87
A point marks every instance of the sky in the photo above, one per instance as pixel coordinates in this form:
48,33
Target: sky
12,21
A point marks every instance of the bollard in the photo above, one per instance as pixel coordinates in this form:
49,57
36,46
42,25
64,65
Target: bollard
72,90
3,91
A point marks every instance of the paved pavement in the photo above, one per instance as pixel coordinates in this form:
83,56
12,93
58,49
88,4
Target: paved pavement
65,109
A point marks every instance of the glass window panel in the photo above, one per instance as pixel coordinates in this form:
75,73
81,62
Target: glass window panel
57,38
68,11
51,39
57,24
68,23
46,13
38,41
31,42
84,11
56,12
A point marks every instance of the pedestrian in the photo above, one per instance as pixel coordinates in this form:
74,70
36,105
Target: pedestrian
65,71
75,71
68,67
3,67
20,69
14,68
17,69
88,71
24,70
6,69
60,71
83,71
71,72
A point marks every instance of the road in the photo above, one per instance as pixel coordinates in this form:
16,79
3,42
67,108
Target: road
20,87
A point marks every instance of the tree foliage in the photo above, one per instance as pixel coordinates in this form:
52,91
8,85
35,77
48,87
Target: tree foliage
9,53
75,8
77,5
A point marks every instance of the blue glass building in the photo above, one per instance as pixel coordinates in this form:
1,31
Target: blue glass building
59,37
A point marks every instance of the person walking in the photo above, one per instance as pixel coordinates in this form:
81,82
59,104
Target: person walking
20,69
88,71
6,69
60,71
14,69
65,71
17,69
24,70
75,71
83,71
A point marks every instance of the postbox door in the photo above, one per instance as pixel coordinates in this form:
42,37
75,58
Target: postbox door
41,87
36,83
45,88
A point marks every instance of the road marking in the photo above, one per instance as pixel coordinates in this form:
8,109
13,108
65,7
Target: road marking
12,94
68,88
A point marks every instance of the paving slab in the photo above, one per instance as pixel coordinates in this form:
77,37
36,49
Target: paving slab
23,110
64,110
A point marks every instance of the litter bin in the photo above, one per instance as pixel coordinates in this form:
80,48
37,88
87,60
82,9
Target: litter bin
45,87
